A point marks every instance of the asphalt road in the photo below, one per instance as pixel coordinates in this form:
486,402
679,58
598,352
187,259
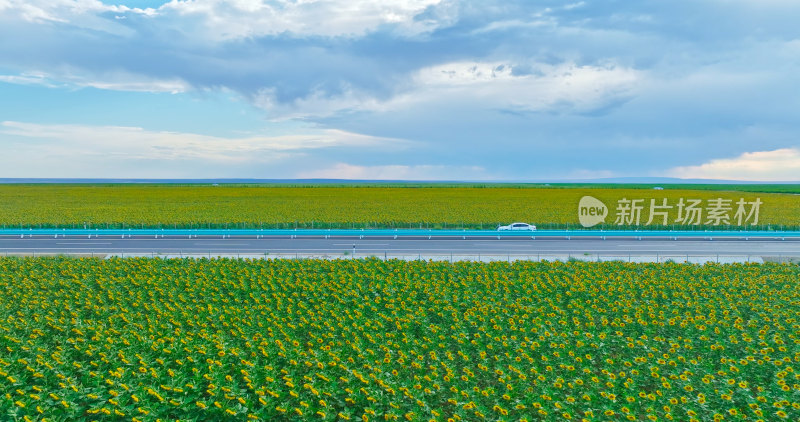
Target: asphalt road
400,246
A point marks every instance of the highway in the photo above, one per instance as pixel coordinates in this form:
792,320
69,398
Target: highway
388,245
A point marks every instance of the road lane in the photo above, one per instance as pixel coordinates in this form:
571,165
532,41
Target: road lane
306,245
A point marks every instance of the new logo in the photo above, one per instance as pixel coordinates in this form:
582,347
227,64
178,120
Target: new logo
591,211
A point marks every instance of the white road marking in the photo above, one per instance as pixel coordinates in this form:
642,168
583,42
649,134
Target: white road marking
221,244
83,243
361,244
663,246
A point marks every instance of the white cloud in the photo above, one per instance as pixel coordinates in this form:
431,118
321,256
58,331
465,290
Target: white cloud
115,81
236,19
316,104
536,87
777,165
530,87
225,19
92,145
126,82
28,78
63,10
465,73
80,13
398,172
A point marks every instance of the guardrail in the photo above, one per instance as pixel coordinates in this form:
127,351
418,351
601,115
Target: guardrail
742,234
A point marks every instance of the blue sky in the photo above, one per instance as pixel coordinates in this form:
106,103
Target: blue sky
400,89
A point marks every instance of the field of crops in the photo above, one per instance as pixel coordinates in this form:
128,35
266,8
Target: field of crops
141,339
348,207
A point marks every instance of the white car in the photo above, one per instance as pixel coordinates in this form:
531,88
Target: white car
518,226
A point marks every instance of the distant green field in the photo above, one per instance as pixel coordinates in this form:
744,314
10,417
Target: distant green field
742,187
391,205
766,188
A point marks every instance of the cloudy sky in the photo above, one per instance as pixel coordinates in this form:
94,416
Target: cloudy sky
400,89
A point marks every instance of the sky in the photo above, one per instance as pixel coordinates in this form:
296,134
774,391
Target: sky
511,90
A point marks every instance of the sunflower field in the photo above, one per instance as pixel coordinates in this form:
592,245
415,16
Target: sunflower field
367,340
181,206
